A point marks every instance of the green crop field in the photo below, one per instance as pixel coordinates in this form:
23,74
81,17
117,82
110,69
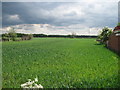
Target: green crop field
59,63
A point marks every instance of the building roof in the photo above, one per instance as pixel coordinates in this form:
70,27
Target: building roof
117,28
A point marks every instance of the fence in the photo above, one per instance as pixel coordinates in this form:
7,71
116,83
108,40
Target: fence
114,42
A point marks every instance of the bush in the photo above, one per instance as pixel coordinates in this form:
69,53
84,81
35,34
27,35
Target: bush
17,39
30,36
27,37
12,34
5,39
104,35
118,24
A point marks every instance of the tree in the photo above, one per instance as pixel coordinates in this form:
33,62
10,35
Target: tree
73,34
27,37
5,37
12,34
104,35
30,36
118,24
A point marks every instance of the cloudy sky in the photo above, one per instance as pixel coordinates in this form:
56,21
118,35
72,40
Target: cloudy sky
81,17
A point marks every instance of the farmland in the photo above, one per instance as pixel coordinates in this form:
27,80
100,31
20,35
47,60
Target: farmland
59,63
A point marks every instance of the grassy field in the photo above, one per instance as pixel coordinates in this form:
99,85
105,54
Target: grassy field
59,63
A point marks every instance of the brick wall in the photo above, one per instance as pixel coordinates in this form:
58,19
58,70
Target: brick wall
114,43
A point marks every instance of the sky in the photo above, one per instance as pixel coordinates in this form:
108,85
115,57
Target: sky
83,17
118,11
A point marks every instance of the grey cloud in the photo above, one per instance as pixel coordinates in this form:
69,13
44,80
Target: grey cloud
0,15
96,15
119,11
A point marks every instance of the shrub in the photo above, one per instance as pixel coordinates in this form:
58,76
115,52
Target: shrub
5,38
12,34
27,37
104,35
118,24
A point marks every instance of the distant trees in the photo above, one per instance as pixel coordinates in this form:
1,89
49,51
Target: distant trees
13,36
27,37
40,35
104,35
73,35
5,37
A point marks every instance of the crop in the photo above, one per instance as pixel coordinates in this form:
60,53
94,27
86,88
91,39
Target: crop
59,63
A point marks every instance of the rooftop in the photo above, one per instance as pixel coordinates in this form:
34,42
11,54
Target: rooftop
117,28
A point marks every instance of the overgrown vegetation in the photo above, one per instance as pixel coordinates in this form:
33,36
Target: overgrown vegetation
104,35
13,36
59,63
118,24
27,37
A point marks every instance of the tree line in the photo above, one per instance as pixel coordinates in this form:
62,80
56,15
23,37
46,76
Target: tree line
21,36
13,36
64,36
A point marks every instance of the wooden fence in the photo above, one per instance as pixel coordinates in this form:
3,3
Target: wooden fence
114,43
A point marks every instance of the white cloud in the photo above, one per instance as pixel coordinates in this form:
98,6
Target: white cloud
60,0
90,13
84,17
54,30
67,11
13,18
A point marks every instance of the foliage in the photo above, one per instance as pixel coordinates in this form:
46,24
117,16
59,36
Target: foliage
118,24
104,35
17,39
20,34
5,38
12,34
59,63
27,37
73,35
63,36
39,35
30,36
